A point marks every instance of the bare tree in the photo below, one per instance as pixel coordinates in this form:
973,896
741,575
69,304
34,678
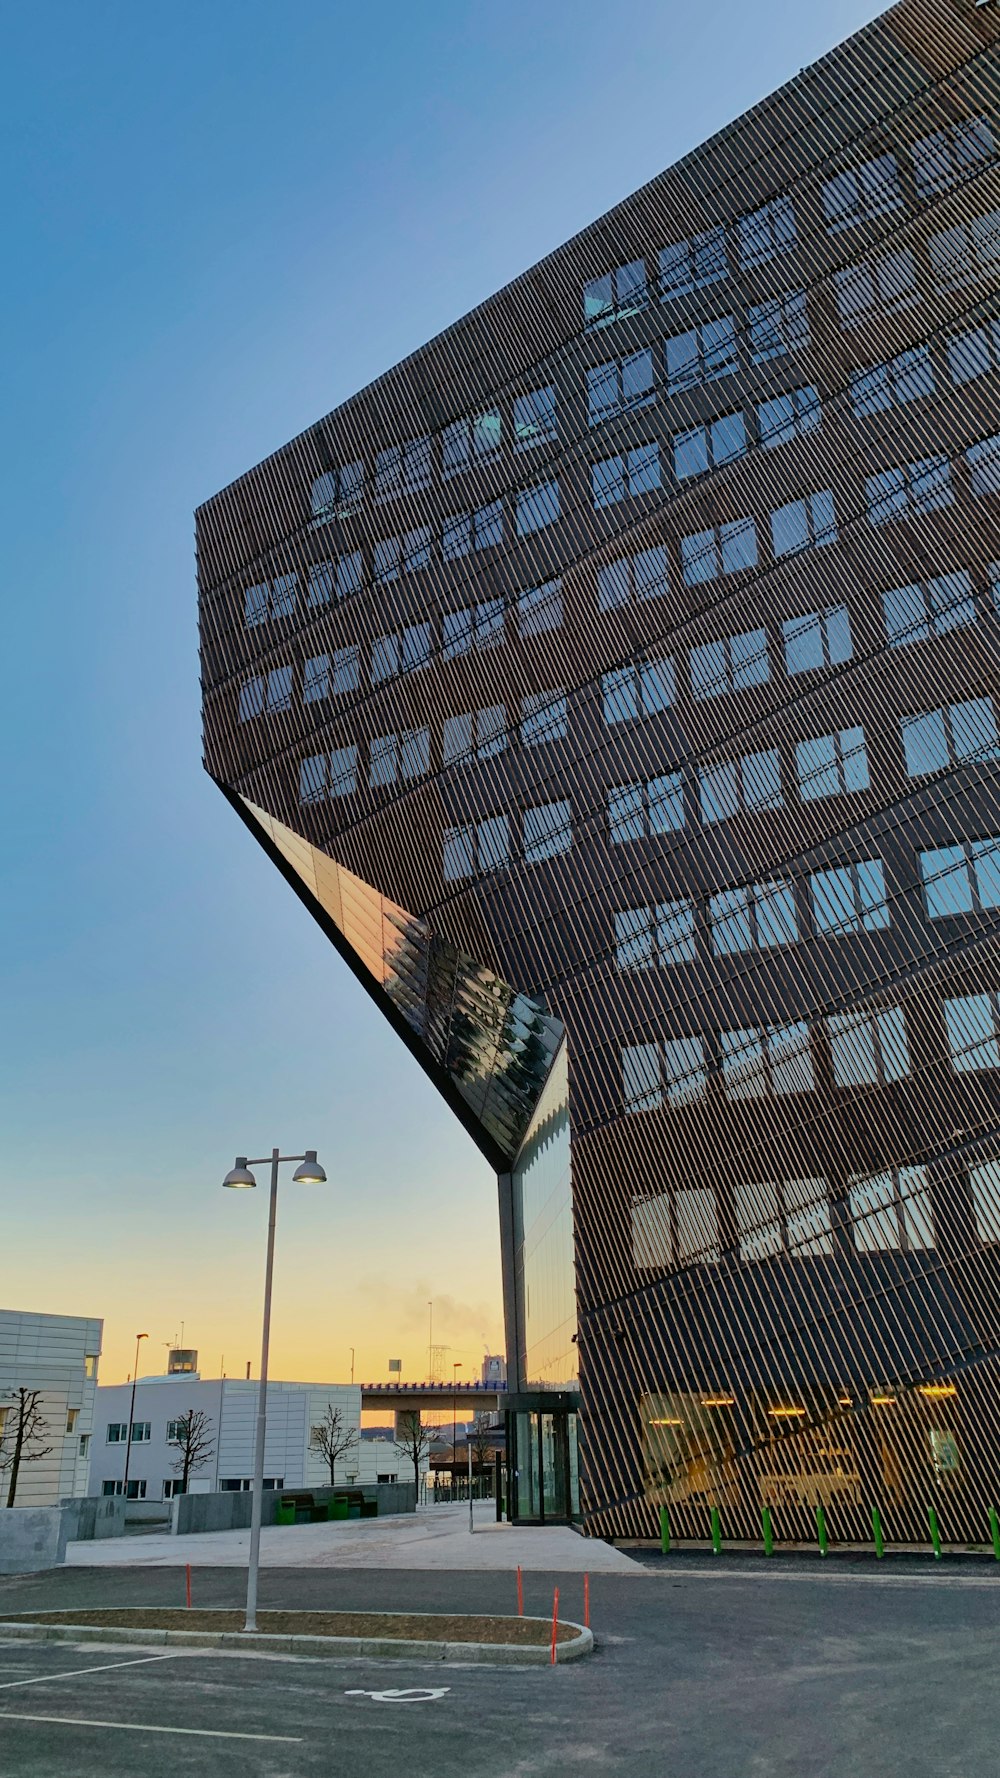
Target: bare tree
480,1438
193,1440
21,1434
413,1440
333,1437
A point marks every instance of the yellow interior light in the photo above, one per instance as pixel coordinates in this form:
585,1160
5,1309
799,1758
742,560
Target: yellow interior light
666,1422
882,1401
718,1401
937,1390
786,1412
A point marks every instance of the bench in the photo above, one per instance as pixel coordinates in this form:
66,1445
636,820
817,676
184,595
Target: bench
305,1509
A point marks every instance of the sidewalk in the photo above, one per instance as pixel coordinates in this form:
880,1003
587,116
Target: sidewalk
433,1537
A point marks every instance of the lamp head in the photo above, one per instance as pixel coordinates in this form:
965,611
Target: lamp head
239,1176
309,1171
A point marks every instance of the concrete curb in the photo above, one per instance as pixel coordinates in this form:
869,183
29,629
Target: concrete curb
349,1648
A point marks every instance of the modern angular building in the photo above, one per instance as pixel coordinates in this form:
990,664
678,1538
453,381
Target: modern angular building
615,681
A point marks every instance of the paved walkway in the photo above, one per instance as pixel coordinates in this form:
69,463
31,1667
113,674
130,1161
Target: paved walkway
433,1537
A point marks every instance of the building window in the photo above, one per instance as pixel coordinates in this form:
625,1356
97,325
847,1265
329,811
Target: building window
615,295
913,488
540,608
702,354
315,678
267,692
416,549
951,155
861,193
766,232
760,916
691,265
473,439
401,653
733,664
908,377
635,472
850,899
328,774
868,1048
962,879
141,1431
765,1060
984,1184
111,1489
950,736
476,847
90,1366
172,1487
881,285
619,386
972,1026
783,1216
679,1227
403,468
671,1073
547,831
474,626
385,560
777,326
725,549
174,1428
662,935
272,599
832,765
708,447
464,531
337,492
399,757
984,465
535,418
929,608
809,523
741,785
974,354
543,717
117,1432
345,671
537,507
478,734
641,811
816,640
891,1212
84,1445
641,688
642,576
339,578
967,252
790,416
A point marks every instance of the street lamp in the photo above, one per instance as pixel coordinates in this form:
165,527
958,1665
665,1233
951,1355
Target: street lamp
131,1413
456,1366
240,1178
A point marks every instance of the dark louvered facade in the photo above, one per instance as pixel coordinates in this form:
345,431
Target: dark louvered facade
616,682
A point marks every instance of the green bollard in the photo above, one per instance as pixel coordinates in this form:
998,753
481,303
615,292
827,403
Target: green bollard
995,1532
935,1533
877,1532
664,1531
821,1531
765,1519
716,1532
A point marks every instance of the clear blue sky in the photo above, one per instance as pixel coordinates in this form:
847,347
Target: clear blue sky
221,219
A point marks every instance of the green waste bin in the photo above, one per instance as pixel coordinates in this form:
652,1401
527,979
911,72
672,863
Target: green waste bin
285,1513
336,1509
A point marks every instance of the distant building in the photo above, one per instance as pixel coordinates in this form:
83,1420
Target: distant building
292,1458
57,1355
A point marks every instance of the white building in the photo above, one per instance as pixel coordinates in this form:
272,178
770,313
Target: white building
57,1355
291,1456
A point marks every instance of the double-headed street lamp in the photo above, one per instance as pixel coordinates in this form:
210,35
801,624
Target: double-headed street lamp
240,1178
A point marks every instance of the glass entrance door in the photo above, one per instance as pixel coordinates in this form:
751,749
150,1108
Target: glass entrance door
543,1460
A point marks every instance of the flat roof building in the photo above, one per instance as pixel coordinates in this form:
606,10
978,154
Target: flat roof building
55,1357
614,681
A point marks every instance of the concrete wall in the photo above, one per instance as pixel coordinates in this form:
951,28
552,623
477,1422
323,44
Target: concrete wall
89,1518
231,1511
56,1354
31,1538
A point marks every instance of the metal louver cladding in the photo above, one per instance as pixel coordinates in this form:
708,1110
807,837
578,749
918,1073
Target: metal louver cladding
494,1046
616,680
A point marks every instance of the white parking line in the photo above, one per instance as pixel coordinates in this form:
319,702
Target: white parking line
81,1672
142,1728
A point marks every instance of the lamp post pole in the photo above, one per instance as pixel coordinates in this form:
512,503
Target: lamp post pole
456,1366
308,1173
131,1414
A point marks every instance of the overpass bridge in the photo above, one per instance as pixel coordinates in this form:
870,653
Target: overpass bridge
476,1397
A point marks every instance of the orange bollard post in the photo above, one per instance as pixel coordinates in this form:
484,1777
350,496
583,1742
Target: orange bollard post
188,1585
520,1593
555,1623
